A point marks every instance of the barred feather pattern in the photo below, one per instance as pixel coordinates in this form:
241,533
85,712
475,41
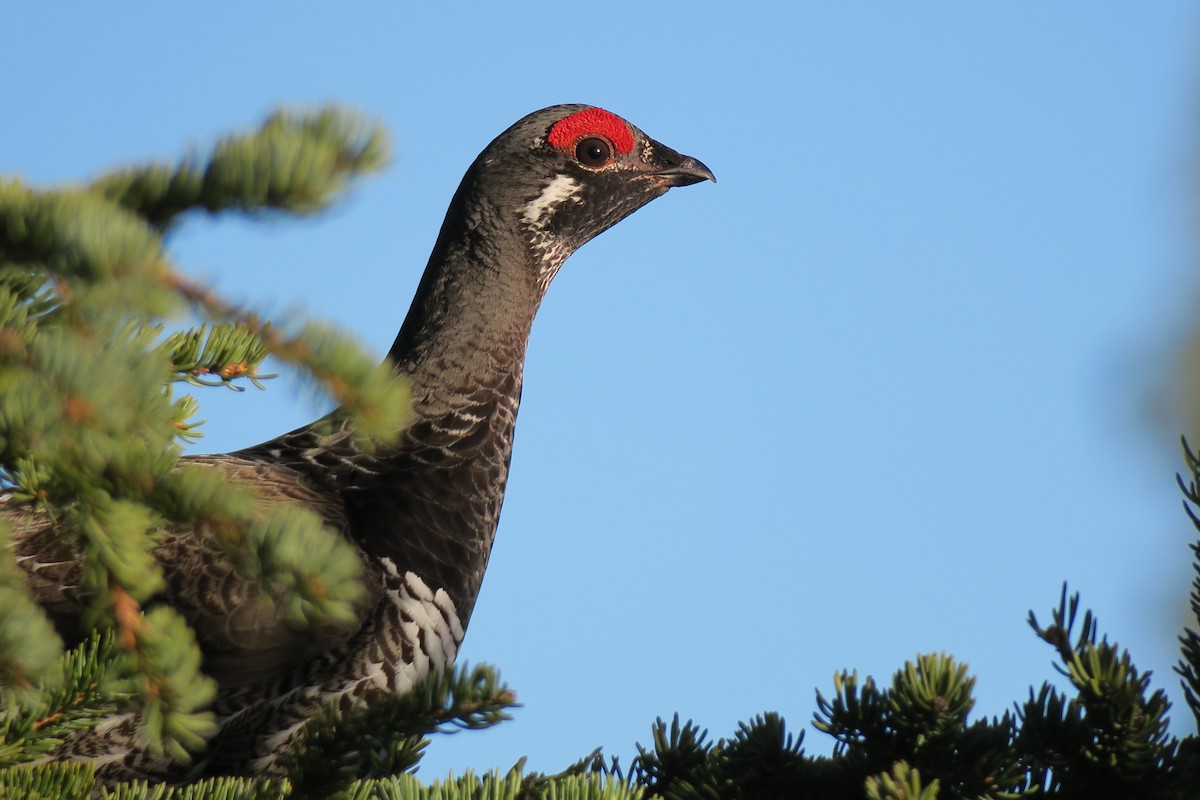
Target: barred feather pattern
423,515
432,516
416,630
406,629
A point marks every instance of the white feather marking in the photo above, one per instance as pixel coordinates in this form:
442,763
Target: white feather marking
418,612
411,631
278,739
429,624
447,606
418,587
433,646
557,192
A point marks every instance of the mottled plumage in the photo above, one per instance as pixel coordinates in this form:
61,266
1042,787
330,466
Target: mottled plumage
422,513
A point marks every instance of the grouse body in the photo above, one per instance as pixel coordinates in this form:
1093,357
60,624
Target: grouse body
422,513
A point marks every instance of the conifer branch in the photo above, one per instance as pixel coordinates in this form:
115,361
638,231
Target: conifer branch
90,430
1111,732
295,162
77,692
209,789
901,783
679,764
365,390
29,647
1189,664
81,244
387,737
56,781
217,356
511,785
298,563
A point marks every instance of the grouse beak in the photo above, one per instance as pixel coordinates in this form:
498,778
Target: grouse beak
677,169
688,172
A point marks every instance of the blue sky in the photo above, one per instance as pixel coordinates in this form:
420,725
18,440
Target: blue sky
878,392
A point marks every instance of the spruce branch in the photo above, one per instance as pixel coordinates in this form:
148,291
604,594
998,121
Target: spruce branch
83,239
387,736
491,786
1112,733
310,573
173,691
86,684
29,646
90,431
582,787
929,702
764,760
294,162
678,766
57,781
855,717
922,720
901,783
367,392
594,763
1189,664
209,789
217,356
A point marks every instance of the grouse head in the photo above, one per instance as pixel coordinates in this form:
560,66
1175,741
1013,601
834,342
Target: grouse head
561,176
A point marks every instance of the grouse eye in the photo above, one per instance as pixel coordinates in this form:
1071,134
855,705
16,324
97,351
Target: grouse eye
593,152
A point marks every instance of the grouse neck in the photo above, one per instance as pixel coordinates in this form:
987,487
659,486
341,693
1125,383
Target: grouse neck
469,322
435,506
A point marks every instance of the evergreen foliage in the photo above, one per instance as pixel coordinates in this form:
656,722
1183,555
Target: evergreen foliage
91,431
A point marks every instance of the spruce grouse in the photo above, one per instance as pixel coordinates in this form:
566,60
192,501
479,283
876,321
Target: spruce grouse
422,513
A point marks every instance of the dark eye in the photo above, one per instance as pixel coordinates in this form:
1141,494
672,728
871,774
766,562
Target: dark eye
593,151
